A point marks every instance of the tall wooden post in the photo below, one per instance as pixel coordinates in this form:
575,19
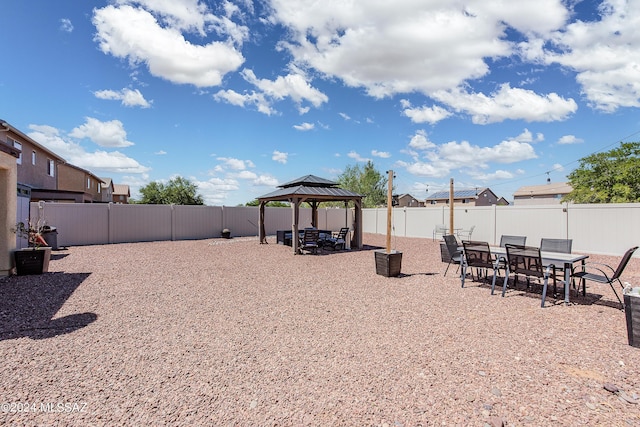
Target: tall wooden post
389,210
451,206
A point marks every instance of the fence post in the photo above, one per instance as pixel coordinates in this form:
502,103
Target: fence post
110,222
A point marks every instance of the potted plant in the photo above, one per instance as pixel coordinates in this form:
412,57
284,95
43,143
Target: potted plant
388,261
35,258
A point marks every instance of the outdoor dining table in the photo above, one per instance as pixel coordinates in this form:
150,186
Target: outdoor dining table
556,258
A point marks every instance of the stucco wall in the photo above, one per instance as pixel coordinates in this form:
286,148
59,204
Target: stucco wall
8,201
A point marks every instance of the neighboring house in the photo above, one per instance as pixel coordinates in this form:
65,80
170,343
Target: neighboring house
37,166
81,182
550,193
121,193
502,202
475,197
407,200
107,190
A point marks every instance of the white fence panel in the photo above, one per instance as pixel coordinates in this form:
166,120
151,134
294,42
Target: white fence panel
76,223
605,229
242,220
197,222
140,223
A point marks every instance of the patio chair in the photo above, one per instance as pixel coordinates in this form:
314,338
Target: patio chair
512,240
339,241
440,230
478,255
466,234
526,261
556,245
605,273
309,240
449,252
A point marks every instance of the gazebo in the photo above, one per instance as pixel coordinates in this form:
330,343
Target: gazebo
313,190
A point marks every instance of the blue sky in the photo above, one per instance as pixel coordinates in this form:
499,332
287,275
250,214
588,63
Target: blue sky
240,96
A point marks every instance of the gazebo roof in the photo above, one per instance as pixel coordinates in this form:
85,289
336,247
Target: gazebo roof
312,188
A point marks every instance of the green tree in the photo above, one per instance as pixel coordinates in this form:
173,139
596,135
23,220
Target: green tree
256,202
608,177
178,191
365,180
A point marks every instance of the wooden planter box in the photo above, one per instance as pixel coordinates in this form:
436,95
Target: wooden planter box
30,261
632,313
388,264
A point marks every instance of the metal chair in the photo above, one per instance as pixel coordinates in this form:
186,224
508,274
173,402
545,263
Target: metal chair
339,241
450,252
441,230
309,240
512,240
466,234
556,245
526,261
609,276
478,255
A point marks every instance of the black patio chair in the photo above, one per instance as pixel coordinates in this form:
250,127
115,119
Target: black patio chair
337,242
309,240
478,255
556,245
526,261
450,252
606,273
512,240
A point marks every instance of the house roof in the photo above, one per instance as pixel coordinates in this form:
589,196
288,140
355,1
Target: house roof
121,190
550,189
459,194
16,131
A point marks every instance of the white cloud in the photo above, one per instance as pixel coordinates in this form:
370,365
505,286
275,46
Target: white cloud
74,153
105,134
304,126
357,157
266,181
508,103
241,100
420,141
280,157
66,25
570,139
128,97
381,154
384,48
154,37
604,53
431,115
160,153
235,164
344,116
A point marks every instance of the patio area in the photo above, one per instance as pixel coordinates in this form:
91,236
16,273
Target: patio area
233,332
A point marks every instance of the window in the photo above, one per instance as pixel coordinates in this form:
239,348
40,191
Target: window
99,188
51,167
33,157
88,182
17,145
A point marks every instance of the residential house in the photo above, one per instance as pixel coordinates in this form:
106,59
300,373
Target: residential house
121,193
407,200
545,194
474,197
78,185
37,166
107,190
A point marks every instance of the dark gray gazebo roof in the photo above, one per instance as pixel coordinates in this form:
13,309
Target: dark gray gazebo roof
311,188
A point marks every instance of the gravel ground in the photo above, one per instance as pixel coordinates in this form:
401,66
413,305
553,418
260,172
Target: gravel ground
231,332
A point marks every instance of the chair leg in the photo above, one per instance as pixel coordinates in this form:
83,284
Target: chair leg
445,272
544,291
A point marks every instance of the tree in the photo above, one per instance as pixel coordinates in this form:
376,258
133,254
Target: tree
275,204
178,191
367,181
608,177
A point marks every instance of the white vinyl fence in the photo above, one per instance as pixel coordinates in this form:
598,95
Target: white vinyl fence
608,229
98,223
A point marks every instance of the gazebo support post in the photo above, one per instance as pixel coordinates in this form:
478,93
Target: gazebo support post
294,227
263,234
